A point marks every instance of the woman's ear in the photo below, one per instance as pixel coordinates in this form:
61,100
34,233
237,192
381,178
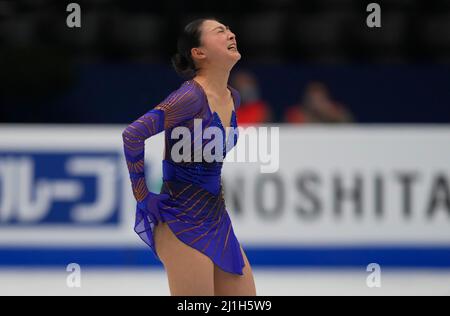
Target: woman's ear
197,53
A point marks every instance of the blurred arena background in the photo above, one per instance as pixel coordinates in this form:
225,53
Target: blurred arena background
364,114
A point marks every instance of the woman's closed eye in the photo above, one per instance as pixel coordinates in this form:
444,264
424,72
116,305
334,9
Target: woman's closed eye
221,29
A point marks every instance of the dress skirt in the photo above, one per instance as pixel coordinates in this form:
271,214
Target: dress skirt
199,219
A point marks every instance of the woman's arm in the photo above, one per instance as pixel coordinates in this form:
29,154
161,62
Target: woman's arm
134,136
179,106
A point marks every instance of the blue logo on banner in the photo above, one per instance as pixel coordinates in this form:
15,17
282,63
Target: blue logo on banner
59,188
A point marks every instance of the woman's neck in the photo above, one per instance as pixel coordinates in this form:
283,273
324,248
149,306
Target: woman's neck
215,82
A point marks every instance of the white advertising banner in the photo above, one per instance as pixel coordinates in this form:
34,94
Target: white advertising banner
329,185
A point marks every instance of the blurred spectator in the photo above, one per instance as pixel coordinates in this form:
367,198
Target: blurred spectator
253,109
317,106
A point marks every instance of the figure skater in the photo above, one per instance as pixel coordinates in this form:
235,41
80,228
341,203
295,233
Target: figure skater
187,225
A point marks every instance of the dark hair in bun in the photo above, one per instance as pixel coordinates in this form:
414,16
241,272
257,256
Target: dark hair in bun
189,38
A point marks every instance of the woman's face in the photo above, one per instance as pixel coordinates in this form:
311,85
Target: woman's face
218,44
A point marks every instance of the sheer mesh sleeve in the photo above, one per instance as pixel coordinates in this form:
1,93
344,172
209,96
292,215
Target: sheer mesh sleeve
180,105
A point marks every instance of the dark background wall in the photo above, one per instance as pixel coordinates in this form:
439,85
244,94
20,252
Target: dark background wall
117,65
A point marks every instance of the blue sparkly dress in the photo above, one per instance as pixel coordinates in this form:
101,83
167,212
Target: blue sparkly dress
195,209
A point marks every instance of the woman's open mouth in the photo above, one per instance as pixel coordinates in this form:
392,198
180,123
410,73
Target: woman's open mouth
232,47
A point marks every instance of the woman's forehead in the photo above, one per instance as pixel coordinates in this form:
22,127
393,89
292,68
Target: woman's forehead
210,25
